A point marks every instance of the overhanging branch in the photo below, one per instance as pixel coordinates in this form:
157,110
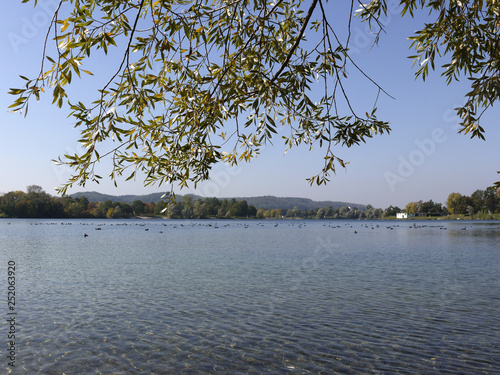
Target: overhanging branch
297,42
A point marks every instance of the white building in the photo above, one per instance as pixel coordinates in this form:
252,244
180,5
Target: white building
404,215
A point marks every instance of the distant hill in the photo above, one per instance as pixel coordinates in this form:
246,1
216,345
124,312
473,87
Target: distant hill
264,202
270,202
94,196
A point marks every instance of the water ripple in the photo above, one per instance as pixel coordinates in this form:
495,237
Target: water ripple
270,300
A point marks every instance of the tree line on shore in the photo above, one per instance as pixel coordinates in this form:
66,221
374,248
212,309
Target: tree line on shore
36,203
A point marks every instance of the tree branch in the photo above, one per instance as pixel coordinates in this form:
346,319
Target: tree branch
297,42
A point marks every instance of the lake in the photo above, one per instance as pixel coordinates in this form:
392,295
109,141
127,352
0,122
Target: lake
251,297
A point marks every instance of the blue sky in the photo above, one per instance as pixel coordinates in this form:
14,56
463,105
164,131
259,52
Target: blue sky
423,158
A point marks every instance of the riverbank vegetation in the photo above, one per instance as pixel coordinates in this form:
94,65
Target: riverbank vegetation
35,203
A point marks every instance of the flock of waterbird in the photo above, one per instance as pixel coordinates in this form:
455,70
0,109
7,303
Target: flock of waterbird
223,224
391,227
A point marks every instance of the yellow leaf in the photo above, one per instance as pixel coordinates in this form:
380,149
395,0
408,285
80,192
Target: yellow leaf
65,25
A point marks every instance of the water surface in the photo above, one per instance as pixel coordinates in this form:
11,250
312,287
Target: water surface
254,297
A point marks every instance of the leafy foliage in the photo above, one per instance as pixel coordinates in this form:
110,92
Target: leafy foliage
196,76
465,34
38,204
421,208
480,202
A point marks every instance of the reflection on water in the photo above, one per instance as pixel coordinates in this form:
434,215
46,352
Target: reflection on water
299,297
